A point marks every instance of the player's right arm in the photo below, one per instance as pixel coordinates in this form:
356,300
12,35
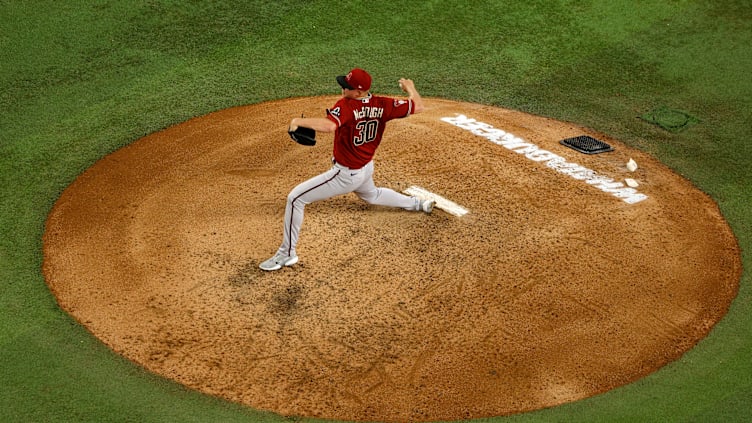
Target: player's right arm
408,86
317,124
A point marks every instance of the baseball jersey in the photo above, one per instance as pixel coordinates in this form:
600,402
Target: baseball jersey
360,126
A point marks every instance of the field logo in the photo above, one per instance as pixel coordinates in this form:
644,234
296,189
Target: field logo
551,160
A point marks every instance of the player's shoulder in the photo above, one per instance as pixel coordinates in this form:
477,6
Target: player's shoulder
389,101
341,107
380,99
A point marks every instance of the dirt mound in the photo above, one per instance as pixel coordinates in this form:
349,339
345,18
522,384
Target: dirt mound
559,284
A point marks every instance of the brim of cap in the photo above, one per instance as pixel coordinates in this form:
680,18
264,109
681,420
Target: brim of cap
342,80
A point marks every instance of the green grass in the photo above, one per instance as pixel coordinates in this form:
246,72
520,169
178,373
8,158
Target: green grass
80,79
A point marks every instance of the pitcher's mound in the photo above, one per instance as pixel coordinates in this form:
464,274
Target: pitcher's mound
558,284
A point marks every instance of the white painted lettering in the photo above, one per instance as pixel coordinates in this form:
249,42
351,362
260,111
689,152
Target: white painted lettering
541,156
527,150
552,161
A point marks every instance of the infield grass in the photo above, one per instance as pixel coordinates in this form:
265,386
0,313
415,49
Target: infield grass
80,79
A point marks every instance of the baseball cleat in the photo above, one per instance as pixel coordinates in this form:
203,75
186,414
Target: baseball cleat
276,262
427,205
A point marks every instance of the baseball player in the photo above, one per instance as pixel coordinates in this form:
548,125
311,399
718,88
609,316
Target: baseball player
358,120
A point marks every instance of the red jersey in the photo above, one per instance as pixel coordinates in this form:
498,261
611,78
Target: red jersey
360,126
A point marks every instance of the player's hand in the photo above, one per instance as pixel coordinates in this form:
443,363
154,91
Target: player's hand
293,125
406,84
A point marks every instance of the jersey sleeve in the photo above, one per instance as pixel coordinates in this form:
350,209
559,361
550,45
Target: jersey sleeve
337,113
400,108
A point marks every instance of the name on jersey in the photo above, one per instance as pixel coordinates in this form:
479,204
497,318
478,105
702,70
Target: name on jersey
368,113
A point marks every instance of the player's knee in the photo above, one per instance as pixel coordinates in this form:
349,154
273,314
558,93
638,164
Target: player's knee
295,200
369,197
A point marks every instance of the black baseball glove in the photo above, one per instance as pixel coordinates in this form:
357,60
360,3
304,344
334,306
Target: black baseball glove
303,136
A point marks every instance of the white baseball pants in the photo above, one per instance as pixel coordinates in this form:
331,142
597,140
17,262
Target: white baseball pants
336,181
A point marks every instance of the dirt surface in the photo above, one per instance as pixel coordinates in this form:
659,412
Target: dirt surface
551,289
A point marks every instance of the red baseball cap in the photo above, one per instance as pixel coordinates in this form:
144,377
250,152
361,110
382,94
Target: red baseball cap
357,79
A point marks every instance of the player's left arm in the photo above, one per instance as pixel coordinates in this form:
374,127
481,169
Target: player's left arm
408,86
317,124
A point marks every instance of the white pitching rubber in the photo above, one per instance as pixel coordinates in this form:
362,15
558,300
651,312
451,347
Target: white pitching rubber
448,206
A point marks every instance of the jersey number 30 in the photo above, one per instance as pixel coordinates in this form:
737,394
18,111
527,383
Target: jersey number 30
367,131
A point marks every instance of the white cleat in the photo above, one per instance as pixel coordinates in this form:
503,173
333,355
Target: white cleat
276,262
427,205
